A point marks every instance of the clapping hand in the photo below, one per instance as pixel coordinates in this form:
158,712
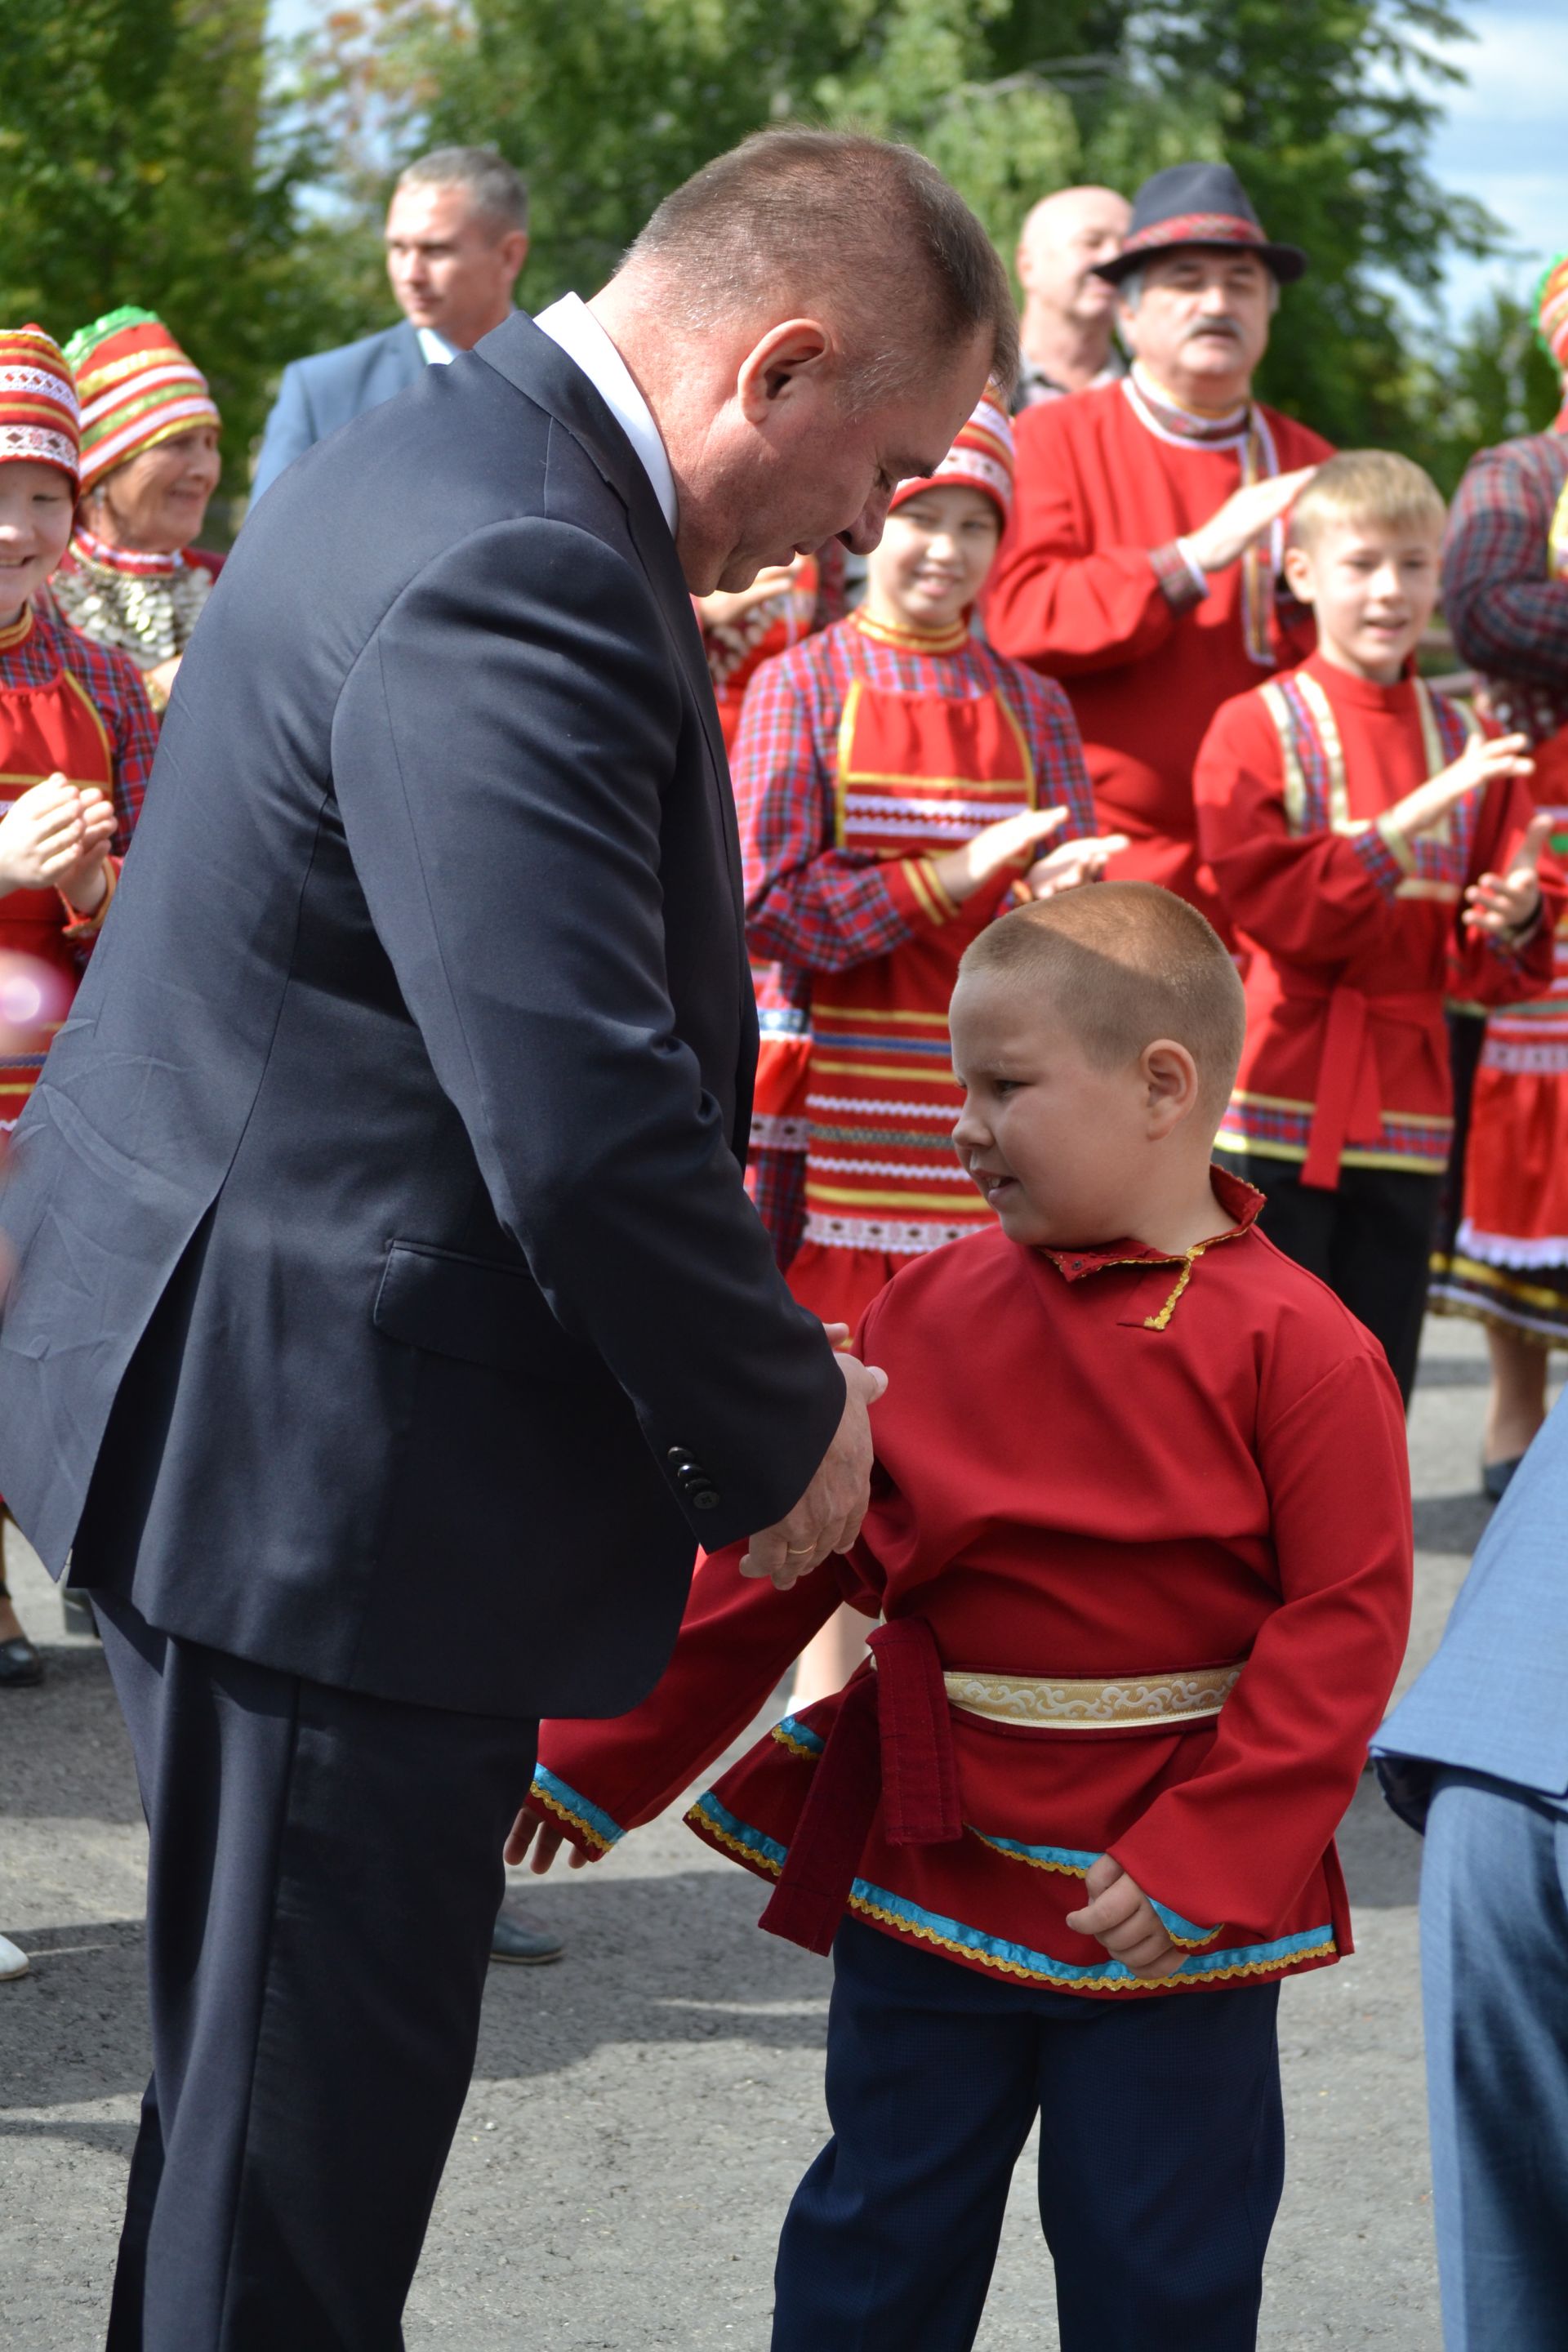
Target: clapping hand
1074,864
1483,759
56,835
1504,905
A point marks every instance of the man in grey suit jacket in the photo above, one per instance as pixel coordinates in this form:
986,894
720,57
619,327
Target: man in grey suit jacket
388,1324
457,236
1477,1755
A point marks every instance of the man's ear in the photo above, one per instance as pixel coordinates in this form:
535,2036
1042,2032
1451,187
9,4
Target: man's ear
796,352
1171,1077
1298,574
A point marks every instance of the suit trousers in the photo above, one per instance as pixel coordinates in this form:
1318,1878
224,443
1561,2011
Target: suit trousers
1371,1241
324,1873
1494,1968
1161,2159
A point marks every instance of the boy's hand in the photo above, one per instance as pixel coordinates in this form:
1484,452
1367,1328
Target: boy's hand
1483,757
536,1830
1246,515
1074,863
1119,1916
53,830
828,1515
1007,843
1504,905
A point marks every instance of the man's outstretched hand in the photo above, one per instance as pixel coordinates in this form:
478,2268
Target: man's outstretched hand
828,1515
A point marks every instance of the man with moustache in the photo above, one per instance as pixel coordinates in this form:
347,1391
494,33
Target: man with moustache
389,1323
1140,566
1069,312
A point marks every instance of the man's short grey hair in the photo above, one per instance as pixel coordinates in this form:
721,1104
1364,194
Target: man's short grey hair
485,178
799,216
1131,289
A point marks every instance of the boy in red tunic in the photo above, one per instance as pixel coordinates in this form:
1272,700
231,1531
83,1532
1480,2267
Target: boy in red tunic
1139,1534
1371,852
77,739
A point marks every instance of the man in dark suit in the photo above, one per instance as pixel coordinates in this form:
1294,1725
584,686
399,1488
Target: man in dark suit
388,1322
457,236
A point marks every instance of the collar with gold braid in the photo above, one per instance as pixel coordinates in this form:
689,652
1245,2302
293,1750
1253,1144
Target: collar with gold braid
1243,430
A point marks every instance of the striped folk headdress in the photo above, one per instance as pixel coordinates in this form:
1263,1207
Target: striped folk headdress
39,415
980,460
137,389
1551,312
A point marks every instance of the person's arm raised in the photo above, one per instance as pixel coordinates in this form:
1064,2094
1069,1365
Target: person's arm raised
502,752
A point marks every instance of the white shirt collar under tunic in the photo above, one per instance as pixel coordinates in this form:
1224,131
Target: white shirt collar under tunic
570,324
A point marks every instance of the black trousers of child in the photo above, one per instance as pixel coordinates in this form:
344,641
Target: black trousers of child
1371,1241
1161,2159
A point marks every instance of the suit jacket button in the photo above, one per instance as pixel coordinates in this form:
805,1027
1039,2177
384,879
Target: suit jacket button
704,1498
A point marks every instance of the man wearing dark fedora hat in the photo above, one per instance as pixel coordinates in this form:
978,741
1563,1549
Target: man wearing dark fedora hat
1142,563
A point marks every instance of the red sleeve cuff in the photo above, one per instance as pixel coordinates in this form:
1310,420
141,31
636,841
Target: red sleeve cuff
1180,584
919,896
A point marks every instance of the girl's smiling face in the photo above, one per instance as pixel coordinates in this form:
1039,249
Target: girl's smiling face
38,503
936,551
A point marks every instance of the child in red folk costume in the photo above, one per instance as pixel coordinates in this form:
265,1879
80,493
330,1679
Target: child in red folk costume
896,780
1140,1532
1372,852
77,739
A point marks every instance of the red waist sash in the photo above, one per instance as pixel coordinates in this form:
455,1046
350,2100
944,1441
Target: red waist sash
1349,1107
891,1738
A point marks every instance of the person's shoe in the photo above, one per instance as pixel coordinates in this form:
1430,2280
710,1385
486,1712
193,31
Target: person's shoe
1496,1478
14,1960
521,1940
77,1611
20,1665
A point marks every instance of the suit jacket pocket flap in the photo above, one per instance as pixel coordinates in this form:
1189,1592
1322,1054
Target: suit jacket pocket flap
474,1309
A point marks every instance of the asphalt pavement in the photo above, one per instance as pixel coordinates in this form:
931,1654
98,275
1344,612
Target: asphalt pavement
641,2111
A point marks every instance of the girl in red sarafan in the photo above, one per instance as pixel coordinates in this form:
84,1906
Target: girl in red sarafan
77,739
896,780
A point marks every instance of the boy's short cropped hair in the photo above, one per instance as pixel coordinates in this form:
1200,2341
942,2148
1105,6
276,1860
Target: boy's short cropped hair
1375,485
1124,964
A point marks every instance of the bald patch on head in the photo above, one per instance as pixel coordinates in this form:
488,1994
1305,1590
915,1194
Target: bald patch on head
1060,213
1120,964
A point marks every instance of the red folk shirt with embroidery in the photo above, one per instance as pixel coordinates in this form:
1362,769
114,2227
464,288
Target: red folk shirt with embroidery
80,708
1090,588
863,754
1354,936
1088,1496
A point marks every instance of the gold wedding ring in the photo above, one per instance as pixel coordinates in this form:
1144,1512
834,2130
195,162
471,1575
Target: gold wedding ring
797,1551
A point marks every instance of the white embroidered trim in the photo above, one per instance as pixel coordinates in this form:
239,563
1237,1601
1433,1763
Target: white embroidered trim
915,1171
897,1238
942,1111
1508,1249
771,1133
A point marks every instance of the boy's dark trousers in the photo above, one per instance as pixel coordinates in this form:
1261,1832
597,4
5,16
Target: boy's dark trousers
1161,2159
1371,1241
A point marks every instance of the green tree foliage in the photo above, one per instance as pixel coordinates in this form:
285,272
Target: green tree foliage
138,163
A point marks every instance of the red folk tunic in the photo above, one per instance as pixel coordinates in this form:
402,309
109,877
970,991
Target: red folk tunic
1505,577
1087,587
864,754
69,706
1147,1588
1354,937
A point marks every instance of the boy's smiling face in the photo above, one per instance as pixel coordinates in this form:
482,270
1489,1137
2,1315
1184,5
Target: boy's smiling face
1372,586
37,507
1055,1144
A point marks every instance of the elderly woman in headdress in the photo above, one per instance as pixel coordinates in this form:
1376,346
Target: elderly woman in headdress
133,578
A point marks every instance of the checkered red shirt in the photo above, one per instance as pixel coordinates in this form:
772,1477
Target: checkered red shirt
815,908
114,685
1509,615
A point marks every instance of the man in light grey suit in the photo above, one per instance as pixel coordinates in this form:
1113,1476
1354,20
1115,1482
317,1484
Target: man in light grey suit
457,236
1477,1755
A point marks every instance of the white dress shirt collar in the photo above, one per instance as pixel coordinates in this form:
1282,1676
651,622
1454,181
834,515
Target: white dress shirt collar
436,349
572,326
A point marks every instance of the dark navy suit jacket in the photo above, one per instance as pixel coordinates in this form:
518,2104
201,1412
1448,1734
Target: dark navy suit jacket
332,388
387,1308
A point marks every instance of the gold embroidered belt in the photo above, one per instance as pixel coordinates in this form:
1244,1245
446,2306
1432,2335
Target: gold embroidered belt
1131,1702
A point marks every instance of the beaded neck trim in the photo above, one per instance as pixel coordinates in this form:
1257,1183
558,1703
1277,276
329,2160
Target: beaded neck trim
132,559
910,640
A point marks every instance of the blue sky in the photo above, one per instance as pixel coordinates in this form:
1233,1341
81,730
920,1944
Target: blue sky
1504,138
